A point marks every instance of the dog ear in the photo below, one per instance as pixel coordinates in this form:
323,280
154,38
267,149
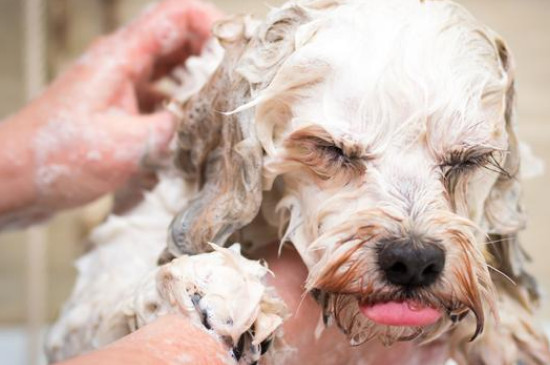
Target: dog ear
503,209
218,151
218,148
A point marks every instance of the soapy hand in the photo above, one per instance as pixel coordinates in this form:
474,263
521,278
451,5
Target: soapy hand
95,126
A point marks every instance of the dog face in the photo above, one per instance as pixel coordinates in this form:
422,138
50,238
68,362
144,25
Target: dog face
388,155
385,127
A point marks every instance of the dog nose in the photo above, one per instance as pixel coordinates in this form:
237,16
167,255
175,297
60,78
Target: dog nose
410,265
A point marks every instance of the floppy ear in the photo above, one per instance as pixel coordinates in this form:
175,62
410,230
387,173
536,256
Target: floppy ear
217,144
503,209
219,152
517,293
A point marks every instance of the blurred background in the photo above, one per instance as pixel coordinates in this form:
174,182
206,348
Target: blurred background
39,38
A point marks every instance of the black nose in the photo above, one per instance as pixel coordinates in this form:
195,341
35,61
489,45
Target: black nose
411,265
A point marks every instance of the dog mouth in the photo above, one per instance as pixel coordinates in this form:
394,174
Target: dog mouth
391,316
407,313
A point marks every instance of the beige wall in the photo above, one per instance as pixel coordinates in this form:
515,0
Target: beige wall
523,23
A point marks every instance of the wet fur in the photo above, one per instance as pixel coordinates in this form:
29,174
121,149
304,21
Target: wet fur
246,125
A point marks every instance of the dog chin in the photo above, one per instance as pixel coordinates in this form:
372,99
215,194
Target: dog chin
388,321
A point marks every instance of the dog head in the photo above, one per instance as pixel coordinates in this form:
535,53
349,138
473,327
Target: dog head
385,131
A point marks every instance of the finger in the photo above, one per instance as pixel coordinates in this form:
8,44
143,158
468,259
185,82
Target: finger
158,131
136,141
125,98
172,27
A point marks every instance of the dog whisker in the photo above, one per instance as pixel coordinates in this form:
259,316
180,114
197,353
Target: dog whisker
506,277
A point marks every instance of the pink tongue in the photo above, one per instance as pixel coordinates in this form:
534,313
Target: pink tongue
406,313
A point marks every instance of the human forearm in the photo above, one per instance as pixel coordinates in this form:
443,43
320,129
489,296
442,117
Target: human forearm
170,340
17,183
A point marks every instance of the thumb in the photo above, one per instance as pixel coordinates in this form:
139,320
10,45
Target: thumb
156,132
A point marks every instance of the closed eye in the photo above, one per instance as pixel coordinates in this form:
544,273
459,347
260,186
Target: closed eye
330,157
462,161
333,152
458,164
322,154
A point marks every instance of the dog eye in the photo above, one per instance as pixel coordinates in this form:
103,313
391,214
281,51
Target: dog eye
336,155
325,158
333,150
322,154
461,162
333,160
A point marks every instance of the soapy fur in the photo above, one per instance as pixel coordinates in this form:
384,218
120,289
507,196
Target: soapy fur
340,124
362,109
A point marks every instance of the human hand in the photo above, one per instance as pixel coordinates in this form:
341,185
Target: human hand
88,133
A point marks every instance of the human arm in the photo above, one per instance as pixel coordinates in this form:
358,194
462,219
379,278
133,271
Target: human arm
95,126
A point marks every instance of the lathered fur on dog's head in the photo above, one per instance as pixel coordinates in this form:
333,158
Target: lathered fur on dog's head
371,122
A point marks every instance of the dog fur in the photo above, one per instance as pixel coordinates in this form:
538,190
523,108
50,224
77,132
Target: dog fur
343,125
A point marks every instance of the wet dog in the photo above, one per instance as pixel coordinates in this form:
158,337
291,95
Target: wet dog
378,137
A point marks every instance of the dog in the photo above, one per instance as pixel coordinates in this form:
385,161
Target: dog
375,136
